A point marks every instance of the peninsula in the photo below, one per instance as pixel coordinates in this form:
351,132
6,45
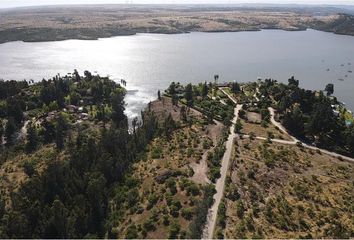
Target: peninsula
234,160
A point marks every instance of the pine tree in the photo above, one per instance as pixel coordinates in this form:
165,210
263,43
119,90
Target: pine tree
117,101
189,95
238,126
205,90
1,131
32,138
235,87
60,132
10,130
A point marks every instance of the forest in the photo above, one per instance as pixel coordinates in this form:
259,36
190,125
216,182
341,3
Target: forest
86,165
316,117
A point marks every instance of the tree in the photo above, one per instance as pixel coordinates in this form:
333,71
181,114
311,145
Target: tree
172,88
49,131
169,125
322,119
59,219
242,113
60,132
174,99
210,116
174,230
238,126
88,75
294,121
329,89
183,113
205,90
1,131
132,232
293,82
28,168
240,209
47,93
118,107
10,130
75,98
189,95
265,114
159,95
216,78
235,87
350,139
76,75
32,138
14,109
60,97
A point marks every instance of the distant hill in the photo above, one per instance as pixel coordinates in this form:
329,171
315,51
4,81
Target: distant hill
53,23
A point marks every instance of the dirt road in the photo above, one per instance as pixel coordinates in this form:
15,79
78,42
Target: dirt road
220,183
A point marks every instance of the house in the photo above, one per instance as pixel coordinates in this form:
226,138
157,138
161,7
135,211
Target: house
84,116
348,123
336,113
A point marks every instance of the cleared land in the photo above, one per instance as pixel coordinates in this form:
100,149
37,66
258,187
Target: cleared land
92,22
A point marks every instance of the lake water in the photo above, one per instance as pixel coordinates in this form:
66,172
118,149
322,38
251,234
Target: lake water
149,62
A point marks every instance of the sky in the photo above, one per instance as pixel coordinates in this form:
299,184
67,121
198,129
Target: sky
22,3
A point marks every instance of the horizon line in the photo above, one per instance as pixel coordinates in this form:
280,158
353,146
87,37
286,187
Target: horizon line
185,4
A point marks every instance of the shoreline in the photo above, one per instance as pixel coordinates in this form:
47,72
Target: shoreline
123,34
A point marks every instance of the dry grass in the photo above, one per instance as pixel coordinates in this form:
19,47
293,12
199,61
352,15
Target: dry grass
12,172
174,155
306,194
260,131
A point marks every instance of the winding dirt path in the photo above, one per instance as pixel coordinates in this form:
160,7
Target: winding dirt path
295,140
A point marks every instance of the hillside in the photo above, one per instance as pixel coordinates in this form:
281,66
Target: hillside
275,160
99,21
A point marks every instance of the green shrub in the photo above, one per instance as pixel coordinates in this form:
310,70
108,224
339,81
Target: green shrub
152,200
187,213
174,230
156,153
132,232
193,189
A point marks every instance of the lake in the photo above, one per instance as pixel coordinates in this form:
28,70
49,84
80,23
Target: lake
149,62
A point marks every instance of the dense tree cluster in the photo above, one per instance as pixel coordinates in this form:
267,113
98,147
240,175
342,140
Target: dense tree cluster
310,116
72,197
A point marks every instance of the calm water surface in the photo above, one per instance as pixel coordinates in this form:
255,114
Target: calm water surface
151,61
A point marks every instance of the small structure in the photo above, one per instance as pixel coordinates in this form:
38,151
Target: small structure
336,113
348,123
83,116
